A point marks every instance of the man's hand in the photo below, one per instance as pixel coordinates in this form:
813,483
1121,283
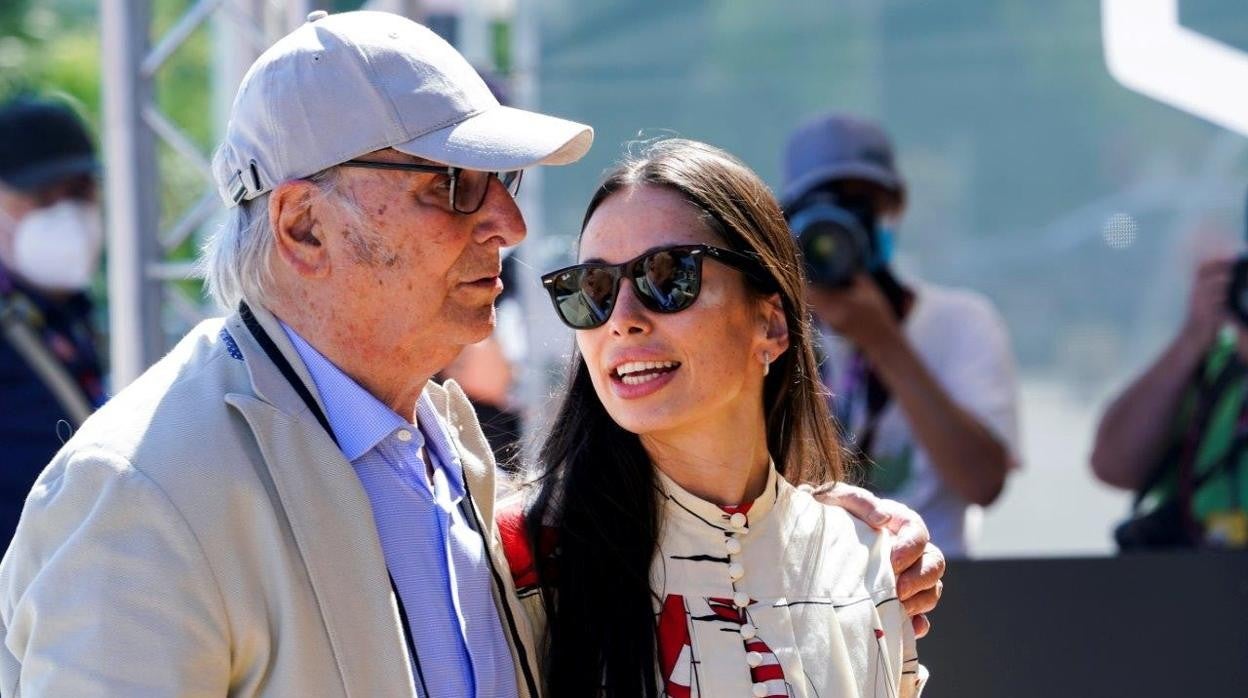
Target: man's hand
859,312
918,564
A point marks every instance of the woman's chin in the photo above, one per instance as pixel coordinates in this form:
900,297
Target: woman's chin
642,423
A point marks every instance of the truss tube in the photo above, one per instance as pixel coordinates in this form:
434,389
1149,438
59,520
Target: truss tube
135,337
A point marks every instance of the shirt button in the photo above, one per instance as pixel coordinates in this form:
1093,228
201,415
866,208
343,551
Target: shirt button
735,571
741,599
738,520
404,435
760,690
733,545
753,659
748,631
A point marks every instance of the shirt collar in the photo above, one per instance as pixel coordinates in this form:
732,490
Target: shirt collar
438,442
687,504
358,419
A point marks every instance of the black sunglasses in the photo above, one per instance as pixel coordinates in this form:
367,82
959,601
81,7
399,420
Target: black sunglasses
468,187
666,280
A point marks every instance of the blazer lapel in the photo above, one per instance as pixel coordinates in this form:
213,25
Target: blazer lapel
331,520
477,460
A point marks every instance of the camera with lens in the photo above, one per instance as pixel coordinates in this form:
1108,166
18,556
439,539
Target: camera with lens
835,239
1237,294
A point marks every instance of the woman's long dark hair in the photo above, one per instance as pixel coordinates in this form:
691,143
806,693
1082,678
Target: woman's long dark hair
598,489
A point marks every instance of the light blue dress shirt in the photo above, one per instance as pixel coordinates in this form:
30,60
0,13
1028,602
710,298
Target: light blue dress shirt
438,561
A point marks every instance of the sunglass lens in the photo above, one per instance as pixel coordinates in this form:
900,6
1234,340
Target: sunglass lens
584,296
669,280
470,189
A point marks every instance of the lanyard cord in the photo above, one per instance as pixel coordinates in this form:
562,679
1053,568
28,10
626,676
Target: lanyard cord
1186,449
859,382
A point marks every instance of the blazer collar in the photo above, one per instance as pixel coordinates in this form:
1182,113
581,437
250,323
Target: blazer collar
330,518
269,384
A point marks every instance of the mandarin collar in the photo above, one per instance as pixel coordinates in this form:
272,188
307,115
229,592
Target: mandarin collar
689,506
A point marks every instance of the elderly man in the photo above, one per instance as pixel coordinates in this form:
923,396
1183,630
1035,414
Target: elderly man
285,504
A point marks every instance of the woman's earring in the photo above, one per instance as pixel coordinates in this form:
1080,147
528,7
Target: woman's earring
766,362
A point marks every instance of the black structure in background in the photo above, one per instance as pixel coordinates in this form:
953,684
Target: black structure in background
1159,625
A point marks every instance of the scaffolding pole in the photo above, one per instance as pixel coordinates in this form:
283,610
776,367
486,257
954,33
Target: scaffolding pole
135,339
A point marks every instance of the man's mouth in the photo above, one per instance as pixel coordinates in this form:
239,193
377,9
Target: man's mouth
485,283
639,372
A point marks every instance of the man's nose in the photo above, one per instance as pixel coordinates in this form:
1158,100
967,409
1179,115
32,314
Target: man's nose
500,217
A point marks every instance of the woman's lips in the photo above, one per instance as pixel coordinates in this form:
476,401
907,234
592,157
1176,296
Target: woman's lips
633,380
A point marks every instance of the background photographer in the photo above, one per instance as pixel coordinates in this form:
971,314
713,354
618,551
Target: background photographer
1177,435
922,377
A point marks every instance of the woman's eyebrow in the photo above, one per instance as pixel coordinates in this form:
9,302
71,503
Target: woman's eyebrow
652,250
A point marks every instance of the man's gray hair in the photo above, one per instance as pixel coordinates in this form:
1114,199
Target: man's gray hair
236,260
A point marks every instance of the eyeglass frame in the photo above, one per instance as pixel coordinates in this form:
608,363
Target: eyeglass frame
448,170
748,263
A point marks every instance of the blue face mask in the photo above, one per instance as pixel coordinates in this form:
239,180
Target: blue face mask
885,242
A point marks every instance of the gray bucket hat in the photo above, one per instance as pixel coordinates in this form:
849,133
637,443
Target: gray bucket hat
837,146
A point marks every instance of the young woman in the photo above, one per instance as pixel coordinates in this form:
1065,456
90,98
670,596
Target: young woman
674,555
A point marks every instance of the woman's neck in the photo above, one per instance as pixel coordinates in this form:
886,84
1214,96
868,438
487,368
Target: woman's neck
724,461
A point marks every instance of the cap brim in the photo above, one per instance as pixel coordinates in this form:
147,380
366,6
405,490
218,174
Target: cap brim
47,173
855,170
502,139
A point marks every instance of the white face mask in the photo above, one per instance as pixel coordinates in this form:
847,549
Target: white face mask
57,248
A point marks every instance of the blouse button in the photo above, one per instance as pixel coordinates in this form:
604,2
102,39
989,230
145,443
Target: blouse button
733,545
760,690
738,520
753,659
735,571
748,631
741,599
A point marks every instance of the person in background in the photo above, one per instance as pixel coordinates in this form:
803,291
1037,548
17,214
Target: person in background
50,244
1177,435
922,377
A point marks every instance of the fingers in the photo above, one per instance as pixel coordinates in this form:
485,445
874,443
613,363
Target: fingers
924,601
922,577
922,626
918,564
911,537
860,503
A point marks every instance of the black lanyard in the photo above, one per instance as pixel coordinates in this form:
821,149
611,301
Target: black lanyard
466,504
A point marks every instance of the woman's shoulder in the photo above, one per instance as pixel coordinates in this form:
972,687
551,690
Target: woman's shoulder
517,541
842,535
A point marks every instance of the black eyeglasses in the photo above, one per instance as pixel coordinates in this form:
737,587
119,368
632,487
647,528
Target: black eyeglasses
666,280
467,187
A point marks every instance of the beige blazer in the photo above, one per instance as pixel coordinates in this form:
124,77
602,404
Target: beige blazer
202,535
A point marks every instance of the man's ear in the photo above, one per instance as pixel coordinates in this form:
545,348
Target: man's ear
298,236
775,324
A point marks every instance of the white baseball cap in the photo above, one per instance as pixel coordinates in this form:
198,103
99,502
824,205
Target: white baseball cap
344,85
